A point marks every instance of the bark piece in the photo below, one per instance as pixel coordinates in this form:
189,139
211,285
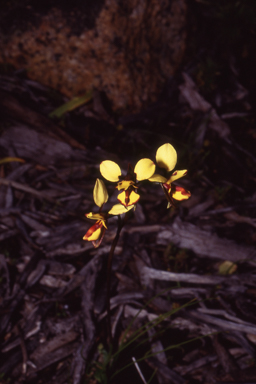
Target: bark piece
51,357
195,365
223,324
90,273
168,374
203,243
224,356
150,273
36,146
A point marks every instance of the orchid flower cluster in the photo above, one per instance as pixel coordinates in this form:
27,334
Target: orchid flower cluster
166,158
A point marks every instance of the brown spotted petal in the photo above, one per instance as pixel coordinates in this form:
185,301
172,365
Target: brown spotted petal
181,194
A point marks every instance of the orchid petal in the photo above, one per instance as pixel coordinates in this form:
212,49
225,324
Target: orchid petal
177,175
122,198
104,224
181,194
96,216
124,184
127,198
133,198
118,209
166,157
94,236
94,232
97,243
157,178
110,170
100,193
144,169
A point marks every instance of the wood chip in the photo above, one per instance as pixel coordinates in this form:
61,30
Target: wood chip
150,273
203,243
223,324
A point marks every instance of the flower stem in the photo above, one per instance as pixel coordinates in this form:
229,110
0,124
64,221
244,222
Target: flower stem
109,267
121,224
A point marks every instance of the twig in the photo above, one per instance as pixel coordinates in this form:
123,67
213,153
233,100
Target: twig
24,351
151,273
224,324
26,188
138,370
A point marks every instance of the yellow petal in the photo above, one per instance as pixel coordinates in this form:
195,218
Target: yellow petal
118,209
134,197
144,169
128,198
94,236
166,157
96,216
157,178
124,184
110,170
177,175
94,232
181,194
100,193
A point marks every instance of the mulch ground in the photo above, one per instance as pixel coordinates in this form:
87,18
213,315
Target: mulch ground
183,282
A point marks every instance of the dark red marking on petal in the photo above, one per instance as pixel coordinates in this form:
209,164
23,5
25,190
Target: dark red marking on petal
127,196
174,173
121,202
183,191
167,187
131,175
92,229
167,191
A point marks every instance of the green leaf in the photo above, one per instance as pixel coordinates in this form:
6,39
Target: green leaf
71,105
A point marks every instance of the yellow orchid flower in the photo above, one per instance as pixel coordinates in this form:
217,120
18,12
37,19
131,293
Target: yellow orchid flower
143,170
118,209
97,231
166,157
